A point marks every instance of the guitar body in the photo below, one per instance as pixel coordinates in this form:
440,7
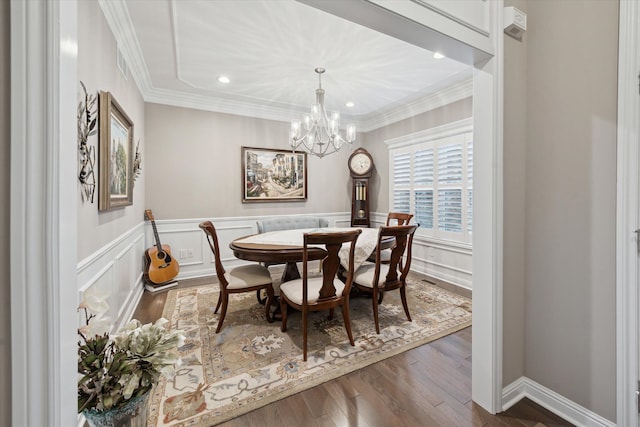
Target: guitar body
161,267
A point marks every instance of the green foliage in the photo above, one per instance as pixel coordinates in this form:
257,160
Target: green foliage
115,370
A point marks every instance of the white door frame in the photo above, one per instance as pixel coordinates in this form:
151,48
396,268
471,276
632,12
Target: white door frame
627,244
43,212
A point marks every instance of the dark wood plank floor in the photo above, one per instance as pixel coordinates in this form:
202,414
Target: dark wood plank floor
427,386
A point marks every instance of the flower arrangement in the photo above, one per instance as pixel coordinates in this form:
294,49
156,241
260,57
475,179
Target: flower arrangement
114,370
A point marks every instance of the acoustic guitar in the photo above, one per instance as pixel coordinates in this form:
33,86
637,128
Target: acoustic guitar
160,266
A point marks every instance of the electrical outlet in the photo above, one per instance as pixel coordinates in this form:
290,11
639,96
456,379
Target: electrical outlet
189,253
184,253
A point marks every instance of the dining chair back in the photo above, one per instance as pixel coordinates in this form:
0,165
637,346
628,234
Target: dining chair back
321,292
379,277
244,278
393,218
398,218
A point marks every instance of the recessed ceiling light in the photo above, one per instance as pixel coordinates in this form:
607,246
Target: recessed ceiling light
224,79
438,55
350,104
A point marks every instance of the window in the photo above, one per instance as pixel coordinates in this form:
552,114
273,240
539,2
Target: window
431,176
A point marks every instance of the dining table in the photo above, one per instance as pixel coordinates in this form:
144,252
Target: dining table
287,246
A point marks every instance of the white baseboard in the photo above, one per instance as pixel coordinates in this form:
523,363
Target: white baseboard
549,399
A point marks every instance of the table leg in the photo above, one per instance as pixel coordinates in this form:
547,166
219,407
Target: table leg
290,272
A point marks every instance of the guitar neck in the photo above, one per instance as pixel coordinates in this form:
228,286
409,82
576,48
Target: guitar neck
155,234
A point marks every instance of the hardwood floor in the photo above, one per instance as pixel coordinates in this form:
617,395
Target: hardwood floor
427,386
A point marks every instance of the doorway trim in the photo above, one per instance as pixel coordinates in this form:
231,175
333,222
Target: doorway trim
627,206
43,212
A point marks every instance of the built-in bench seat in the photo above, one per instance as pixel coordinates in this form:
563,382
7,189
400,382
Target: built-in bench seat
291,223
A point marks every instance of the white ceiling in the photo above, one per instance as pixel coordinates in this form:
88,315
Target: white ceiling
269,49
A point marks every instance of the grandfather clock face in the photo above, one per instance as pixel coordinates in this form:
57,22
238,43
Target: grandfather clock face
360,164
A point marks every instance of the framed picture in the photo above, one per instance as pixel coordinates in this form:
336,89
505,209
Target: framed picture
270,175
115,155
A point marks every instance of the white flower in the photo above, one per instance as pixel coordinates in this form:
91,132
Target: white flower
95,300
98,325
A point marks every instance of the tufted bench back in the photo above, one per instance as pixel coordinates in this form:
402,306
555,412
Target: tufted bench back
291,223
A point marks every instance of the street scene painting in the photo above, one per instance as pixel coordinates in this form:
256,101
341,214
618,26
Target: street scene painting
271,175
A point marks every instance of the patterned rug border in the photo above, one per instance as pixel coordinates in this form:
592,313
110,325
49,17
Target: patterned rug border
170,307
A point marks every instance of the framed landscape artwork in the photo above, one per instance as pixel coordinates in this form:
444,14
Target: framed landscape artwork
270,175
115,154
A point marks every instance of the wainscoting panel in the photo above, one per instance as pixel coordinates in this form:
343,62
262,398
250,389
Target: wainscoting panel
117,269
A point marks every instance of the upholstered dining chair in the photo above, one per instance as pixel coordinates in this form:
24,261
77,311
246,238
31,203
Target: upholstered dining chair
393,218
324,292
379,277
244,278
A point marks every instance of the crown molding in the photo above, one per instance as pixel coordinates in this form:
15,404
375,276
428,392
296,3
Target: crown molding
117,16
441,98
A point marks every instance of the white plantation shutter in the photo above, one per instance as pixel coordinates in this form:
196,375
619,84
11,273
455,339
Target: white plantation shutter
402,201
423,170
402,178
424,208
469,210
450,164
450,210
432,178
402,170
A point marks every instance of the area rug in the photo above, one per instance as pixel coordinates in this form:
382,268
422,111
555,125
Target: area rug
251,363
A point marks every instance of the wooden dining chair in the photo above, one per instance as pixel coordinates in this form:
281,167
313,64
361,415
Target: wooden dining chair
393,218
379,277
324,292
244,278
398,218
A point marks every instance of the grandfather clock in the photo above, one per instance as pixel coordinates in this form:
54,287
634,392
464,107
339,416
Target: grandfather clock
361,168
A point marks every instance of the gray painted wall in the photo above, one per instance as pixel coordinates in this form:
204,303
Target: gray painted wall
98,70
514,155
570,199
5,280
188,180
193,166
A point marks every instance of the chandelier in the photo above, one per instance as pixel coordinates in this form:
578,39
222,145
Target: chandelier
321,130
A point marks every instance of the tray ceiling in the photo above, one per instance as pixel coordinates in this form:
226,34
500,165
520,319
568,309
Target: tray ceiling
176,50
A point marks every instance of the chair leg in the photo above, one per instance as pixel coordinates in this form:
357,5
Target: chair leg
283,312
219,301
347,320
268,304
223,313
374,300
331,313
305,319
403,296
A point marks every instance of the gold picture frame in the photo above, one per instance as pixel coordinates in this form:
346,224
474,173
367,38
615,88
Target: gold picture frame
270,175
115,156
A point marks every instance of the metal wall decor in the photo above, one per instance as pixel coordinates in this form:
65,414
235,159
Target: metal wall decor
87,121
137,163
